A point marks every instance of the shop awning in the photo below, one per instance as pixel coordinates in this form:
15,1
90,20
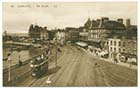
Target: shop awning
83,44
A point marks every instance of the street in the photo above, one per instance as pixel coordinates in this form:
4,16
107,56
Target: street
77,68
69,44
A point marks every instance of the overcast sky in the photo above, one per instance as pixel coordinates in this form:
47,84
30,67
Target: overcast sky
17,17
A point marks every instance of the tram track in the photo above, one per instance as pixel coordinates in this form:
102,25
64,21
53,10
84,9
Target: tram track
77,68
70,70
43,79
32,80
66,67
61,61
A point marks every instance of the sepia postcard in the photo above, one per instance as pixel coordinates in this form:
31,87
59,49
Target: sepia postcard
69,44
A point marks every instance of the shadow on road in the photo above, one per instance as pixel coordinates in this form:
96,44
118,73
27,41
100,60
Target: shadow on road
51,71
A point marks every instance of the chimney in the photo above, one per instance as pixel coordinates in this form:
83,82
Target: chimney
104,19
128,23
98,21
120,20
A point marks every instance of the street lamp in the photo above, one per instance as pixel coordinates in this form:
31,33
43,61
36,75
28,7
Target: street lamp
56,52
9,73
20,63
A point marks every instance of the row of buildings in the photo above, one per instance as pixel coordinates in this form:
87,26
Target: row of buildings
108,35
118,47
118,39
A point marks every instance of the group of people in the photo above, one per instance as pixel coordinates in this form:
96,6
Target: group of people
44,56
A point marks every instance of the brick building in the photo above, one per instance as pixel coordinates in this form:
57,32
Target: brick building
38,33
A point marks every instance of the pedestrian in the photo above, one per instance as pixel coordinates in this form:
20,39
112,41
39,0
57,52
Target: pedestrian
47,52
116,61
59,49
38,59
42,56
126,59
20,63
97,65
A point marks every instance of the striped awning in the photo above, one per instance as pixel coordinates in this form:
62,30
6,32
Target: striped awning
83,44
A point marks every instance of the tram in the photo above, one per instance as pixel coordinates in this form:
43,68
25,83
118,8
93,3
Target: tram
39,66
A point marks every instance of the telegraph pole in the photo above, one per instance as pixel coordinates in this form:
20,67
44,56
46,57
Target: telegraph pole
9,73
19,61
56,53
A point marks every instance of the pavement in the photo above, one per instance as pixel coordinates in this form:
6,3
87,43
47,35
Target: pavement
128,65
79,69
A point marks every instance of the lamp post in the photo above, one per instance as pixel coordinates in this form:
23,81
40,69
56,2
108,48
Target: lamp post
9,73
56,52
19,50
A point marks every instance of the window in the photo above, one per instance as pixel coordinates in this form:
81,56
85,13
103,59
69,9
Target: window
119,49
114,43
123,44
107,42
111,42
123,50
119,43
114,49
111,49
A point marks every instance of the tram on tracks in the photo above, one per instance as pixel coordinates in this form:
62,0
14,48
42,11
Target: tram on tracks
39,66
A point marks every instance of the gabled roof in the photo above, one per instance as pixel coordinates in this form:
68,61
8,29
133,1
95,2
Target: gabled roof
113,25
